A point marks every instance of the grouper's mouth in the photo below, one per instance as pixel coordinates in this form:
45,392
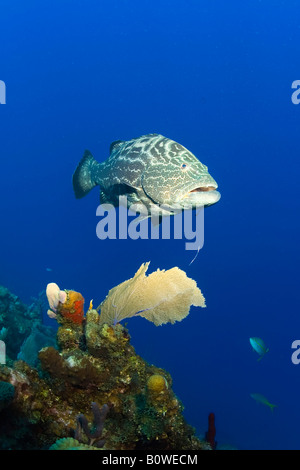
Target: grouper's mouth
204,195
203,189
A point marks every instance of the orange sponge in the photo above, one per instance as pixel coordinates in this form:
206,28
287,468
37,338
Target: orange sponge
72,308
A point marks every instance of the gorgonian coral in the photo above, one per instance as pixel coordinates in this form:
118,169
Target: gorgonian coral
161,297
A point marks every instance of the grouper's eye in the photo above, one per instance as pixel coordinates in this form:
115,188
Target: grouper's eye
184,167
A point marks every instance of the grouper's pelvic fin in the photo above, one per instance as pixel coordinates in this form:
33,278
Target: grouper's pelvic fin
83,180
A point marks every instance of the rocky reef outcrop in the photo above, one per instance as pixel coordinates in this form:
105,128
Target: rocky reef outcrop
89,389
94,364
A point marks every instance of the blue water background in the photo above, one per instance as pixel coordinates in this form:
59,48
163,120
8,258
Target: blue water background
216,77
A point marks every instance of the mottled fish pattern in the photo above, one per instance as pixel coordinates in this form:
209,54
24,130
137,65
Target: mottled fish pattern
152,170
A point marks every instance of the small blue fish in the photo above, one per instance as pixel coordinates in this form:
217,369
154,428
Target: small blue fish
259,346
263,400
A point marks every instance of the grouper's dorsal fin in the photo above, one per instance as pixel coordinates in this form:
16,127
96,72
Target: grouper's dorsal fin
114,145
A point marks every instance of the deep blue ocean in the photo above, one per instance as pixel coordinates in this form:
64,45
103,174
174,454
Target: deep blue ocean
216,77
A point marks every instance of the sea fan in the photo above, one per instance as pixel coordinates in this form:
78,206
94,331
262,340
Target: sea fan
161,297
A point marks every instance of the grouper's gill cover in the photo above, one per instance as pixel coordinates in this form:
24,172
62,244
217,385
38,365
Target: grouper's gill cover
151,169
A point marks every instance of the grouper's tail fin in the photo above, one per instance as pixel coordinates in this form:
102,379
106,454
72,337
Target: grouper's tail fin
83,180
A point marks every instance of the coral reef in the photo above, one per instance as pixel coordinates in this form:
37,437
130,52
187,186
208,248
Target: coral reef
93,361
98,364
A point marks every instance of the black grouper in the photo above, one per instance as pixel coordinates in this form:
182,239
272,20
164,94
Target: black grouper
152,170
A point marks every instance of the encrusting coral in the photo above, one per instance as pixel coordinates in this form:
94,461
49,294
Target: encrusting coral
157,383
134,406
